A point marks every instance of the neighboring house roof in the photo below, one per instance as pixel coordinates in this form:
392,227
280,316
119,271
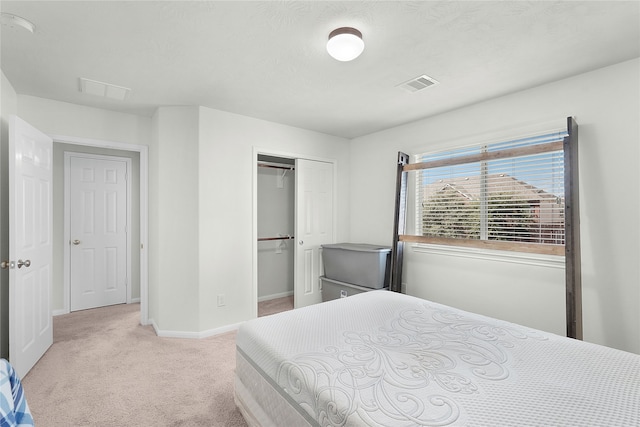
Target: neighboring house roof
551,207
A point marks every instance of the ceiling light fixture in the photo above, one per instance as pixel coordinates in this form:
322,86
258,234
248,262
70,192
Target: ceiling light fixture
11,20
345,44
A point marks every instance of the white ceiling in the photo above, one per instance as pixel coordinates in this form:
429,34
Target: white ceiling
268,60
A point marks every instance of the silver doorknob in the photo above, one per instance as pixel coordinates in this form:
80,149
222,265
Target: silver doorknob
301,242
26,263
4,264
76,242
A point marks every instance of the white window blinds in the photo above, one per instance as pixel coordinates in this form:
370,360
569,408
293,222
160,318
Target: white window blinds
510,192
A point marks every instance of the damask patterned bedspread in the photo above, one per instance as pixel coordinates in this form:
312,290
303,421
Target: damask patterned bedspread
387,359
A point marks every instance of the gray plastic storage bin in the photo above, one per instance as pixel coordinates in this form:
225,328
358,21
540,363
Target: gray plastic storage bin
333,289
357,263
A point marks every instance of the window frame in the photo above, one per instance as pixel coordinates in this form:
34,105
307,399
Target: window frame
536,253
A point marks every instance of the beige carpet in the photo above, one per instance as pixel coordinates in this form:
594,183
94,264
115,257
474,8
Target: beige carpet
104,369
273,306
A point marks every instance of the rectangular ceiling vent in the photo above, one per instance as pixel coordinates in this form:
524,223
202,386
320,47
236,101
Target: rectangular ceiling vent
417,84
107,90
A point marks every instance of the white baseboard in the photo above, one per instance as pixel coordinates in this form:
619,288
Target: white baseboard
177,334
62,311
197,335
275,296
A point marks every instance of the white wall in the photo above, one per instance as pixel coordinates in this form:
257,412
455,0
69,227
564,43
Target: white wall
606,105
8,106
201,226
200,199
62,118
227,166
276,208
173,224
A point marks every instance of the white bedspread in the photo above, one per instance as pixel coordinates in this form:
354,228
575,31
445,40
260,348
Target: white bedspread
386,359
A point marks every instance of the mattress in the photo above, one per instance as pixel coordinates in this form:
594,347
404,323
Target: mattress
386,359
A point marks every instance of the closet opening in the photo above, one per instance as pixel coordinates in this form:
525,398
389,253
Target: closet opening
276,239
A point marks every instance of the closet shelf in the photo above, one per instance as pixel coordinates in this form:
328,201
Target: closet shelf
276,166
263,239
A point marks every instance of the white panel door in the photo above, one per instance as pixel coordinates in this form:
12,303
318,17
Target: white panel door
30,247
314,227
98,226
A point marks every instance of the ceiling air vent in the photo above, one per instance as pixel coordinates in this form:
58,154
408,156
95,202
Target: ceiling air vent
107,90
419,83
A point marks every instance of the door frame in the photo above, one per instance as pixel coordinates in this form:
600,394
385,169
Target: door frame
144,209
67,221
254,226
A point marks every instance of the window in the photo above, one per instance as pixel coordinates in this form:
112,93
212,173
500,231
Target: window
507,195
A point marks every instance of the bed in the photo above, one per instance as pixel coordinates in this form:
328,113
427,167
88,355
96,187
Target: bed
383,358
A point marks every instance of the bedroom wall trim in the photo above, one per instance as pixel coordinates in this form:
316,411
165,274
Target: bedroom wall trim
62,311
197,335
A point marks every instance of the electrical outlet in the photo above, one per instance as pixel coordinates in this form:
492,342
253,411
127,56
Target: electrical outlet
221,302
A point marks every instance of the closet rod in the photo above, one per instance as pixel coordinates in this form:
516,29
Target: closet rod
276,166
262,239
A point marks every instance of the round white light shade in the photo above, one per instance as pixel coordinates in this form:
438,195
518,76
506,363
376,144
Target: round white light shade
12,20
345,44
